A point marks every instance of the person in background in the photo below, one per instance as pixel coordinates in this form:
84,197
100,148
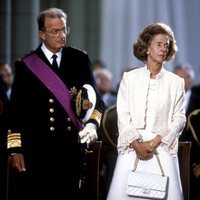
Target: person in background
98,64
126,69
149,119
186,72
7,76
6,81
4,106
46,134
103,79
191,131
108,155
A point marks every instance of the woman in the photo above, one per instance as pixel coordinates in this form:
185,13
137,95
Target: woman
151,115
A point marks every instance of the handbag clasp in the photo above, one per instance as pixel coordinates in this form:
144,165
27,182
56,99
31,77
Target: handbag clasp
146,190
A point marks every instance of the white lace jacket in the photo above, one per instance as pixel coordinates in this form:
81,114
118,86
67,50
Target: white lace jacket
131,106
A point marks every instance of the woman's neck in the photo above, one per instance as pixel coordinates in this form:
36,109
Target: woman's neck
154,70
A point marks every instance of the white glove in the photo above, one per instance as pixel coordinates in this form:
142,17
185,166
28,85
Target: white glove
88,134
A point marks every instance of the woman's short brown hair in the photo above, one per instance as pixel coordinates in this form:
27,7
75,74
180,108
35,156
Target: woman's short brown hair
140,47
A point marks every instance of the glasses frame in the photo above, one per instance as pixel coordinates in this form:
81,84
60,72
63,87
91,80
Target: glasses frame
56,32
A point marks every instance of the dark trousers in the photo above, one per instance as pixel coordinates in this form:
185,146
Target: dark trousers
3,174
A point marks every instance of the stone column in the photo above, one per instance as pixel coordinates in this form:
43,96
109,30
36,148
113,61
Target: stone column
5,33
24,27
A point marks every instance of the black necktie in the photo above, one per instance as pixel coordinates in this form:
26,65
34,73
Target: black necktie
54,63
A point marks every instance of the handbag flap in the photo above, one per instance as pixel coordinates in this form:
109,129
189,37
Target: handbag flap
147,181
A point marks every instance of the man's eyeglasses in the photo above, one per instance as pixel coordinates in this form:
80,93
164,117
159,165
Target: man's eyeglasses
56,32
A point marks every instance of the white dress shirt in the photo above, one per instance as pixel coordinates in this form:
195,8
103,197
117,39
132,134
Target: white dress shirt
49,54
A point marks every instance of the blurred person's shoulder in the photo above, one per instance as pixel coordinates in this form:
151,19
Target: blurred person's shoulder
196,89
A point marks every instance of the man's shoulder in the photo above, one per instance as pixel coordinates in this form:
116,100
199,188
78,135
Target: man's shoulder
19,59
74,50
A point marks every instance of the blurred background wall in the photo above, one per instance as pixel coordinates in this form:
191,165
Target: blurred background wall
106,29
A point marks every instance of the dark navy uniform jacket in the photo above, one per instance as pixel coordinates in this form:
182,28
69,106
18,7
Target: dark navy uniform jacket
43,132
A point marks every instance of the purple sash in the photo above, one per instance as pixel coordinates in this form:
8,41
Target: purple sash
53,83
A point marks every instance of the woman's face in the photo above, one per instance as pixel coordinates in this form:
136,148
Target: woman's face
158,49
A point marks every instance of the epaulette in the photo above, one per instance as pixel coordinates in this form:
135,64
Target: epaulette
25,55
85,52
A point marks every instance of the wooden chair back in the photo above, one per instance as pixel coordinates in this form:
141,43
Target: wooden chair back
93,157
184,164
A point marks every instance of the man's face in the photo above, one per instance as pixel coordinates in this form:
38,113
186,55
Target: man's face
54,34
185,74
6,74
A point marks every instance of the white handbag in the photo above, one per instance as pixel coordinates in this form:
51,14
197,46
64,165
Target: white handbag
147,185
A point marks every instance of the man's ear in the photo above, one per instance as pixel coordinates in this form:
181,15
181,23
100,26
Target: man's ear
42,35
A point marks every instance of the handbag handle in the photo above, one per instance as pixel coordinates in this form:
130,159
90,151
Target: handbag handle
158,159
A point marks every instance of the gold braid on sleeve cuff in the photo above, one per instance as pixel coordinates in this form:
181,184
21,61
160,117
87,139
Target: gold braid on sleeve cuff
96,115
13,140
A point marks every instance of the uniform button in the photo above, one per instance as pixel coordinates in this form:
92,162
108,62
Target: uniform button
51,119
69,128
51,110
68,119
52,128
51,100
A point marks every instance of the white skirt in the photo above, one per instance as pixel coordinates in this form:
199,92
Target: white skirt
125,163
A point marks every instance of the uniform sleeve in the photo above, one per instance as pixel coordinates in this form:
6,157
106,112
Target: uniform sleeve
89,79
14,133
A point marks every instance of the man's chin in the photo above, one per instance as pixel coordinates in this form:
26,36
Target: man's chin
61,45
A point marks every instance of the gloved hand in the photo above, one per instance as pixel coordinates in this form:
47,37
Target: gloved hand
88,134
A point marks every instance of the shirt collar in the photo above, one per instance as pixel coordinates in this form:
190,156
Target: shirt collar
158,76
49,54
